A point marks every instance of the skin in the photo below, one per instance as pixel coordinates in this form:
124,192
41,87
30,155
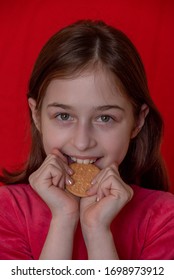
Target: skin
87,117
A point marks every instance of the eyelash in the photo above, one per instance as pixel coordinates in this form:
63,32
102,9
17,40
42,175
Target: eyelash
60,115
107,118
67,117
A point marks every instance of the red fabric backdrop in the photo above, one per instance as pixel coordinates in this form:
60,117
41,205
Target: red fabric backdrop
26,25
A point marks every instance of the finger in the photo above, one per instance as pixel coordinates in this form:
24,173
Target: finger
111,184
92,190
63,159
61,183
58,181
103,190
47,176
99,177
86,201
48,161
97,184
62,179
57,161
114,166
100,190
69,180
53,173
56,152
109,171
62,175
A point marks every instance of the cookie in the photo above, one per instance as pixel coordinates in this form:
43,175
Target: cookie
83,175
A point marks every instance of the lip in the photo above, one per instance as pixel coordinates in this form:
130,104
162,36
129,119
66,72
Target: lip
84,157
81,159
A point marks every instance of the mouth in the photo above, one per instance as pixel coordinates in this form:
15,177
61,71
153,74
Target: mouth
81,160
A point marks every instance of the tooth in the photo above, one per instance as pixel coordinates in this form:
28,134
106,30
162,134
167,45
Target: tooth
74,159
79,161
83,161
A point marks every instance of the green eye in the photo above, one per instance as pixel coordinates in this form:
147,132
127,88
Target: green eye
105,118
63,116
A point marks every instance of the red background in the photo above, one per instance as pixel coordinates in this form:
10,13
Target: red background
26,25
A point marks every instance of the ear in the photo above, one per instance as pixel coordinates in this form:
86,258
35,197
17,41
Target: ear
141,120
34,112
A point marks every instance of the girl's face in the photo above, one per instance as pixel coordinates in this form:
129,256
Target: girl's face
87,118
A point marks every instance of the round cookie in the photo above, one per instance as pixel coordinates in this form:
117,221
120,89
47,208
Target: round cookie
83,175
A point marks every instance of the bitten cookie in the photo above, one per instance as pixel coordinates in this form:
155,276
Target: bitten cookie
83,175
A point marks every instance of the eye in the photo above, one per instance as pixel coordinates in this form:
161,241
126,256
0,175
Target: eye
63,117
105,118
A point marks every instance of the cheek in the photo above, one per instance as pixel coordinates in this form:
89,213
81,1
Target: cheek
117,147
53,138
119,151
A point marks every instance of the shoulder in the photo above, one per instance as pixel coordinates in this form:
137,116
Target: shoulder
21,191
148,204
154,214
18,190
24,222
152,203
154,209
152,198
21,198
151,212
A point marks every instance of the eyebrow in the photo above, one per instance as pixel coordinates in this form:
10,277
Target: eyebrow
98,108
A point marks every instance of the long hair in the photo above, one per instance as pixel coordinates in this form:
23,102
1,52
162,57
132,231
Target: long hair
87,44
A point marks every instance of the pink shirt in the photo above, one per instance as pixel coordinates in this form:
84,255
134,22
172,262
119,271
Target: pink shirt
144,229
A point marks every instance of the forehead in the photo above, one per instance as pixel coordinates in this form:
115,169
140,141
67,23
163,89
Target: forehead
97,86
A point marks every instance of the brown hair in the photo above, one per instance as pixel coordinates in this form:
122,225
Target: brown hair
90,43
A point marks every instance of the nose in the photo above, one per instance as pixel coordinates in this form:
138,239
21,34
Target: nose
83,138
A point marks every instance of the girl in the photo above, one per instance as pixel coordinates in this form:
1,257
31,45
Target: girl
89,102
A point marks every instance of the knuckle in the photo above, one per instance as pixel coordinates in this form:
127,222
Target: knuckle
131,193
128,194
109,171
112,169
113,166
31,178
54,160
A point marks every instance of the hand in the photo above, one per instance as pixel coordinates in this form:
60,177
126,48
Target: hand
108,195
49,182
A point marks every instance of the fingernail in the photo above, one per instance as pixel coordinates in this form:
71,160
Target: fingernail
93,182
70,171
88,190
97,199
69,181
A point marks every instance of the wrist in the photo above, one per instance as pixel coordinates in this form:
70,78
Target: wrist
100,244
60,238
65,222
95,233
